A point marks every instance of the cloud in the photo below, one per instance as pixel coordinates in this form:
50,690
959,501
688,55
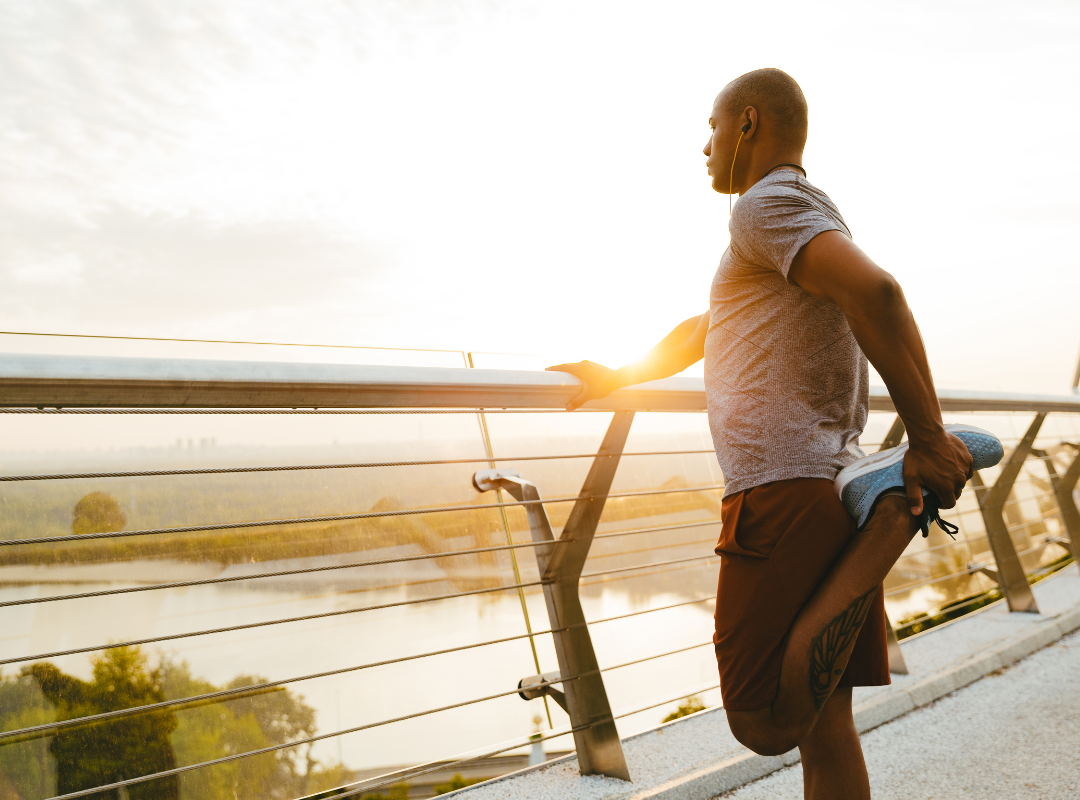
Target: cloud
123,269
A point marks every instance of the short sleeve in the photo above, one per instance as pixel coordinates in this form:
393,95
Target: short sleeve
769,227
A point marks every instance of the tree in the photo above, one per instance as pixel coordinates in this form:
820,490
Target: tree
105,752
263,718
26,768
84,756
98,512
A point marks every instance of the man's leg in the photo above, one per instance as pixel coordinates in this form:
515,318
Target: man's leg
832,757
824,633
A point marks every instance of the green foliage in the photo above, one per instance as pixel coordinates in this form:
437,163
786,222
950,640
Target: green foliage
26,767
399,791
691,705
85,756
97,754
252,721
98,512
457,782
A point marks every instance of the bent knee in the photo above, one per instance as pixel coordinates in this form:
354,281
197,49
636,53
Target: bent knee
763,735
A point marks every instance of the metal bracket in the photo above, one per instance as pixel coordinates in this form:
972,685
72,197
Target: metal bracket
585,697
1063,486
975,567
1012,580
535,686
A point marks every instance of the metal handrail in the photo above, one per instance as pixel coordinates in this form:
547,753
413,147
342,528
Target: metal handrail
96,381
34,383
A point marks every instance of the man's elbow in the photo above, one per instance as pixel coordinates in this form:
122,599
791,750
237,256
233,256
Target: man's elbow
876,298
885,293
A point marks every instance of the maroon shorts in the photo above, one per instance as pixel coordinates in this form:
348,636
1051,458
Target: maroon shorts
777,542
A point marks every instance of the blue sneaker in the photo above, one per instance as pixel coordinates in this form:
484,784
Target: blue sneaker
860,485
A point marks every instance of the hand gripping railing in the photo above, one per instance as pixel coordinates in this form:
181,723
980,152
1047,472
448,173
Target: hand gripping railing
584,698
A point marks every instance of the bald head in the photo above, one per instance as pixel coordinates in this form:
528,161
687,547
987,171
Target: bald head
778,99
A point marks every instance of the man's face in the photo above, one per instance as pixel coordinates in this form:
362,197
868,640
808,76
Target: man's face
720,149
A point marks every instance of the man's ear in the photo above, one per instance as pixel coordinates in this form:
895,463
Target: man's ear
750,118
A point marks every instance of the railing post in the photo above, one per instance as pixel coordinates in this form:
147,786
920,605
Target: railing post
1063,486
1012,580
595,735
897,665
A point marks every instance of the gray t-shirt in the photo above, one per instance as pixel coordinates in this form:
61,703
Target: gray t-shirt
785,381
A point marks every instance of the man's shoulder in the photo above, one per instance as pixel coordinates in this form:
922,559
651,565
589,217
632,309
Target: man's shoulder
785,185
783,200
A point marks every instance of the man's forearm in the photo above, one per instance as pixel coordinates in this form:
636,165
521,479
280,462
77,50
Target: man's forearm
681,348
886,331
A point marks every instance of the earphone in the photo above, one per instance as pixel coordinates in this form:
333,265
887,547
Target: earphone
731,175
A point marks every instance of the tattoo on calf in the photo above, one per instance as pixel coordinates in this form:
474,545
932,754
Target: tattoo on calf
827,646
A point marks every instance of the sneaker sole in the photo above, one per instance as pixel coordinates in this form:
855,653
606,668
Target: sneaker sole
886,458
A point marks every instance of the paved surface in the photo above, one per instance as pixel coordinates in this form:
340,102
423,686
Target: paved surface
679,748
1011,735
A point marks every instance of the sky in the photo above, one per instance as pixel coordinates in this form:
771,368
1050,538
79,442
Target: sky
521,177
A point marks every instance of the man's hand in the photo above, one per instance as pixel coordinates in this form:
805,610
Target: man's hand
599,381
942,465
684,346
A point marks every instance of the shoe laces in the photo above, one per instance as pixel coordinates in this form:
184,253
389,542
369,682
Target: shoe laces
932,513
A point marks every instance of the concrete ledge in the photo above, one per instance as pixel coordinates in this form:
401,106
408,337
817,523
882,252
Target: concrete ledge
710,777
975,668
870,715
1028,642
927,691
715,779
1069,621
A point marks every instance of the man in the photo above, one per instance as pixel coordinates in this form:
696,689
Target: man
794,307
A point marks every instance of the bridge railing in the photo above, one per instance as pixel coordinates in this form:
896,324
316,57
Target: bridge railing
296,618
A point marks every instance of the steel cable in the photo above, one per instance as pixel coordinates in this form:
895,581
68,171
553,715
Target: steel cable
431,766
373,563
646,566
302,467
266,623
938,612
179,704
323,615
308,740
669,700
224,694
343,517
224,341
911,586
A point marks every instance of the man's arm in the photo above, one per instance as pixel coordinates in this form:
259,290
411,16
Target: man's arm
833,269
678,350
